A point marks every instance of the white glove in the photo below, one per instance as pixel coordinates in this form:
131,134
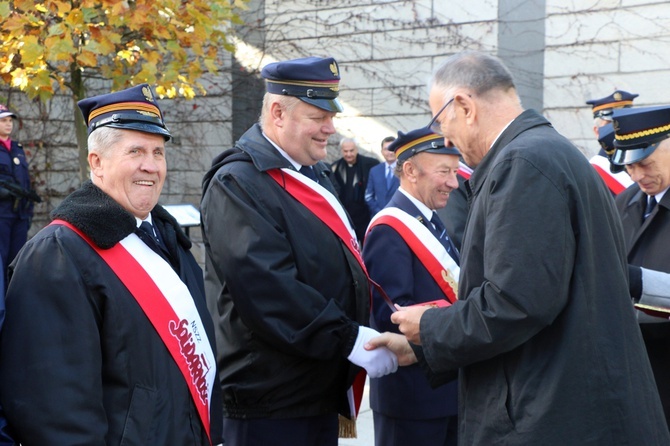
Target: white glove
378,362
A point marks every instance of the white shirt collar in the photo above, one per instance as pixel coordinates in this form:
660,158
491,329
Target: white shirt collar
501,132
295,164
138,221
428,213
659,196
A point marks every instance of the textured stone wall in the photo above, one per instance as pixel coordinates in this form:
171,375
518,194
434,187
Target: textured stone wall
562,53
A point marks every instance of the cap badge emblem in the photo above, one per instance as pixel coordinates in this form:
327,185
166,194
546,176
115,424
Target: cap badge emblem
148,95
333,69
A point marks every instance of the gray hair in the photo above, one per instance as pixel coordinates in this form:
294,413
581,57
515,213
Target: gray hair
288,103
476,71
344,141
103,138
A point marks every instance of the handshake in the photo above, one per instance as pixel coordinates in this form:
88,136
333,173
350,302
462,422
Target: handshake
377,362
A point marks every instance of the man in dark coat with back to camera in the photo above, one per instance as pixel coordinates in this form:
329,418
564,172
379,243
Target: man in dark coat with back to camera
283,265
107,339
642,146
543,335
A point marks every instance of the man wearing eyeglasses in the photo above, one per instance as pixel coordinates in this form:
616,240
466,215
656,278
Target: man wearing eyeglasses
543,334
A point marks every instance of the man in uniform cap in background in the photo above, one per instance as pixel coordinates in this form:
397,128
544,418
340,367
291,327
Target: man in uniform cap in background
16,194
614,176
107,338
283,265
642,146
408,252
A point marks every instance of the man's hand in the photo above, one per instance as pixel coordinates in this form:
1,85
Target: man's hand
397,344
376,363
409,320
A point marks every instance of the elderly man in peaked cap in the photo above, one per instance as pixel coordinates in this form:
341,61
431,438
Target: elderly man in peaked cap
614,176
283,265
107,339
410,254
642,146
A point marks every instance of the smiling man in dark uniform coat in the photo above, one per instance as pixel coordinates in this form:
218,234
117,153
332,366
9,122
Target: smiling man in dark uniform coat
406,409
283,265
642,146
107,338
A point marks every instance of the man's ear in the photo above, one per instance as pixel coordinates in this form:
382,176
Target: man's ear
277,112
409,170
95,163
468,105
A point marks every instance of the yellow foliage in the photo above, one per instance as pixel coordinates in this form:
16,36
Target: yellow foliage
169,43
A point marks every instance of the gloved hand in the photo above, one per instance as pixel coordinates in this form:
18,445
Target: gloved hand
378,362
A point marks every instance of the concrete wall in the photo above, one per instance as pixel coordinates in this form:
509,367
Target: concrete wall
562,53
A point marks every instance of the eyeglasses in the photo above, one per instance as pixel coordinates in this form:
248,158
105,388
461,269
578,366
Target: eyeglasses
435,126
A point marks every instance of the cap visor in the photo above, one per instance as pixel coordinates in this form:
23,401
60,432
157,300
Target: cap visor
5,114
631,156
141,127
331,105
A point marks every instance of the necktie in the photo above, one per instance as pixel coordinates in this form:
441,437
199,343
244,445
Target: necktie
309,173
389,176
651,204
149,237
443,237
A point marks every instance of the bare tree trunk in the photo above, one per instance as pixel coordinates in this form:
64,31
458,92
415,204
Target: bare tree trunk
78,93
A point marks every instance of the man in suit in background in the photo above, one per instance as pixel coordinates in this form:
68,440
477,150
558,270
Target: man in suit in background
351,178
382,182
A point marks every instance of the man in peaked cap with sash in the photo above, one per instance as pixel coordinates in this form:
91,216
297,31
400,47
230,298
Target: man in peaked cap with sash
284,267
107,339
409,253
614,176
642,147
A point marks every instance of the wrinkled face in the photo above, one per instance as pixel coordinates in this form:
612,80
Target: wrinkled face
434,177
389,156
6,126
132,171
303,131
349,152
451,122
652,174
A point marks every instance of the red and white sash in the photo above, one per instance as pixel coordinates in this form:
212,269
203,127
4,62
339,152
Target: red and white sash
464,170
616,182
322,204
169,306
430,252
328,209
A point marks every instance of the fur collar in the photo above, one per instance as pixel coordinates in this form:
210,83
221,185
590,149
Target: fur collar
106,223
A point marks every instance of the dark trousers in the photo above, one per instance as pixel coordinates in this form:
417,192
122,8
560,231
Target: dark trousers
657,342
390,431
321,430
13,235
